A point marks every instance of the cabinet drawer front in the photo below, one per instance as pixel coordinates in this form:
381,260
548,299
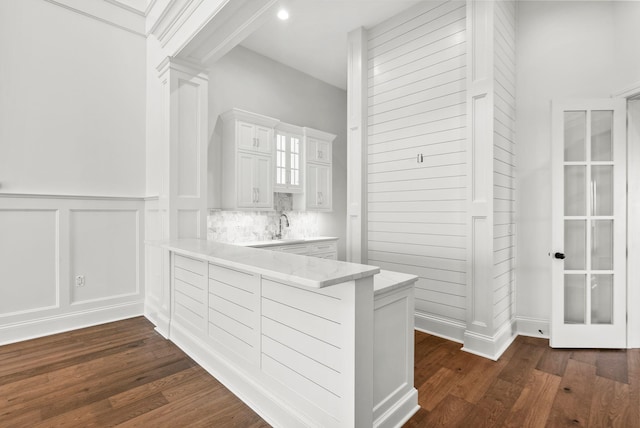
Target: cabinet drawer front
331,255
236,278
294,249
192,265
323,247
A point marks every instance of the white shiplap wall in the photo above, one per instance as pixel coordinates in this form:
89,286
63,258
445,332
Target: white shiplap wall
504,162
417,105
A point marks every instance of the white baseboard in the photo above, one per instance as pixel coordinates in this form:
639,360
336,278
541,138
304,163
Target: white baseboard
533,327
441,327
160,320
490,347
275,412
400,412
46,326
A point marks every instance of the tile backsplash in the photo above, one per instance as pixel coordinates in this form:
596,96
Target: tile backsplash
244,226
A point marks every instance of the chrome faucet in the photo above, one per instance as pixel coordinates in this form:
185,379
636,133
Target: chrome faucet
279,235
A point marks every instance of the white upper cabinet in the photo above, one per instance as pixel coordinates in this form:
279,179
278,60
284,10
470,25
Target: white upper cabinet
289,158
319,150
261,155
255,138
319,170
248,175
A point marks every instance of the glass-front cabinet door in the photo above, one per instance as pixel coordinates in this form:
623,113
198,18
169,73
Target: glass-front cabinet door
289,176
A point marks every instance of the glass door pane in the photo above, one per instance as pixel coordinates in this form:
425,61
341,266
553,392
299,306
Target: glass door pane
602,245
601,135
574,299
575,244
601,299
601,190
575,135
575,190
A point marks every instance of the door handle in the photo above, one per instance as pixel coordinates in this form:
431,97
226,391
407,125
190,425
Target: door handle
559,256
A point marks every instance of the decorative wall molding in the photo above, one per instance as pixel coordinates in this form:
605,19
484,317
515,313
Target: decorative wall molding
111,12
75,197
137,7
80,239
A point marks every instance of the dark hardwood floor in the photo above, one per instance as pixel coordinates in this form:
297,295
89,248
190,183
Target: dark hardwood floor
125,374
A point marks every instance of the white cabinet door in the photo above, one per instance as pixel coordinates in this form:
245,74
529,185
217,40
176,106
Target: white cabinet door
318,150
324,187
323,151
255,187
246,136
255,138
319,195
245,187
263,181
263,137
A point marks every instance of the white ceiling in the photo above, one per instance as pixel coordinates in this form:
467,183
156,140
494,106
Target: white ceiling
314,38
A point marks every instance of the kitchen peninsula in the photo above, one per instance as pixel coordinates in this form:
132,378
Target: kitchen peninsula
304,341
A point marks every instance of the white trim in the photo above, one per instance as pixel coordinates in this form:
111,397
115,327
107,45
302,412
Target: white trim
491,347
400,412
46,326
446,328
533,327
120,4
629,92
79,197
97,18
633,229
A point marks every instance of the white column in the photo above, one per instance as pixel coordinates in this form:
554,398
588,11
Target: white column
182,202
357,146
480,102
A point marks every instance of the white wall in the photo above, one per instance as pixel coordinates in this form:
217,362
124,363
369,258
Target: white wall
72,122
565,50
72,110
252,82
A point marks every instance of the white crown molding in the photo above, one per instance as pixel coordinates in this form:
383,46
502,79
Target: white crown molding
130,6
629,92
170,17
109,12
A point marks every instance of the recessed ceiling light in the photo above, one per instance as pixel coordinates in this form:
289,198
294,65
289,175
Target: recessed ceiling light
283,14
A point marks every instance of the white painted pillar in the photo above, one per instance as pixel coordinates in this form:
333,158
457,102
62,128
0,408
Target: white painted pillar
357,146
182,202
480,102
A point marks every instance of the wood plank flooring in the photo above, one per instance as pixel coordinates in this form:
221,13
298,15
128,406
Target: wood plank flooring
531,385
125,374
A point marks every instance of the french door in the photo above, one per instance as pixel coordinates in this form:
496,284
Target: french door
589,224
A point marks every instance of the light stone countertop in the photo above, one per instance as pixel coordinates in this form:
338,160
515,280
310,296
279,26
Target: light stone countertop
308,271
285,241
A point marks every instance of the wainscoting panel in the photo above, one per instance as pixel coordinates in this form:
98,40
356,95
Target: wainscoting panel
104,251
28,236
46,241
